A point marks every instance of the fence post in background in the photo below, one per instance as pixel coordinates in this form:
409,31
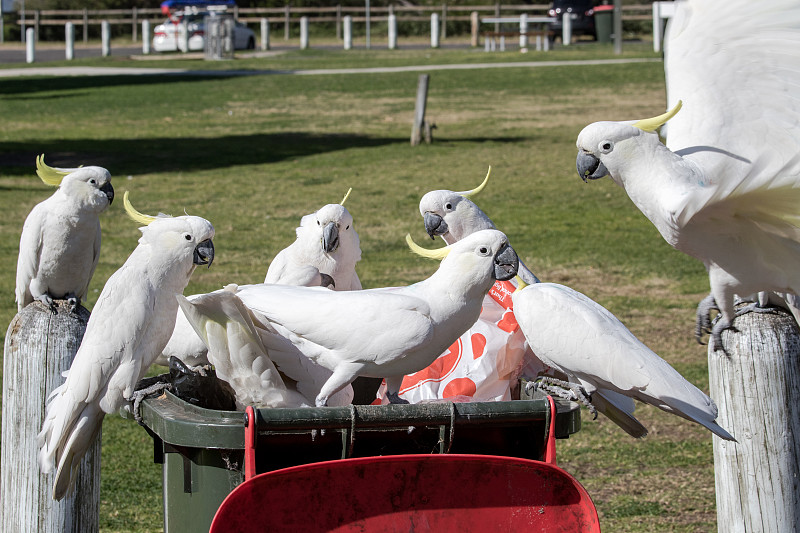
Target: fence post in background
474,24
264,34
419,125
348,32
69,37
105,34
566,29
134,23
523,32
434,30
85,25
392,31
146,37
303,33
368,19
183,36
617,27
2,27
756,387
338,22
30,46
40,346
287,19
36,15
23,32
444,21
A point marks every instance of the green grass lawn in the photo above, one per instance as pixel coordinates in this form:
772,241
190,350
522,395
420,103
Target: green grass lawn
254,153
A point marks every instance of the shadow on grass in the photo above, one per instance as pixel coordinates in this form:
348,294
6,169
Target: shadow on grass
182,154
191,154
27,88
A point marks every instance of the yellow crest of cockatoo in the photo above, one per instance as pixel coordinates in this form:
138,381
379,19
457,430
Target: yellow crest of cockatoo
437,254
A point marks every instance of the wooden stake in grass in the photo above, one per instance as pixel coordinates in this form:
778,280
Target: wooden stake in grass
39,347
420,126
756,387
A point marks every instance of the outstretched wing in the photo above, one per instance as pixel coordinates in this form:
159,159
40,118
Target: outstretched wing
735,64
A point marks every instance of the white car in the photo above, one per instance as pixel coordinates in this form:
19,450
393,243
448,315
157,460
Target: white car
167,36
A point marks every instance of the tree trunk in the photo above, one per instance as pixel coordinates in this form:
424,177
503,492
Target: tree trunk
39,347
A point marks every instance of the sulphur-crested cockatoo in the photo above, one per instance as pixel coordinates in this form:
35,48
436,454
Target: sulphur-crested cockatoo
324,254
232,332
726,187
384,333
453,216
577,336
60,243
128,328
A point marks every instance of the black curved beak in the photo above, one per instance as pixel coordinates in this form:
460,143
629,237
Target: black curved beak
590,167
109,190
435,225
204,253
330,237
506,263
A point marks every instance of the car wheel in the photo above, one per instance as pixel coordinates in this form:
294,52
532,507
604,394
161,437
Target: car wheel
251,44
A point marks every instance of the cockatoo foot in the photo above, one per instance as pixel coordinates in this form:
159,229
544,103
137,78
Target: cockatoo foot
141,394
567,391
703,326
47,300
73,302
720,325
755,307
394,397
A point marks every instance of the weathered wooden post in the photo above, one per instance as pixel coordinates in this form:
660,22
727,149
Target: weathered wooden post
523,32
69,37
264,34
618,27
287,20
39,347
756,388
419,125
134,24
474,25
183,35
105,34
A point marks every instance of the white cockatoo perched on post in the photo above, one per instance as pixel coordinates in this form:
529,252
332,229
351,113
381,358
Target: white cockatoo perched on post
60,242
726,187
383,333
324,254
128,328
580,338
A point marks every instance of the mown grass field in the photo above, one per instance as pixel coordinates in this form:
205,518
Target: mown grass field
255,153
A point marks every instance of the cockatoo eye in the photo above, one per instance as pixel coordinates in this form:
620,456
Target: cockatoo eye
606,146
317,222
347,227
448,206
483,250
92,182
187,236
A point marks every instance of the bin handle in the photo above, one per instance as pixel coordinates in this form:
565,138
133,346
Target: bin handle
250,435
550,443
